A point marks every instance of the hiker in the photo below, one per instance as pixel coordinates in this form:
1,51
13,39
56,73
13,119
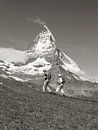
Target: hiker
47,77
60,82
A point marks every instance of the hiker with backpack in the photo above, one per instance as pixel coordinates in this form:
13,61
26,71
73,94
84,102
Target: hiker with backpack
47,77
60,82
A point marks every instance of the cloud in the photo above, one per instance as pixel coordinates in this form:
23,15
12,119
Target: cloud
13,55
36,20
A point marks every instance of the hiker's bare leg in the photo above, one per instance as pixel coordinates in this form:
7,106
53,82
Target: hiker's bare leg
48,88
62,91
58,88
43,88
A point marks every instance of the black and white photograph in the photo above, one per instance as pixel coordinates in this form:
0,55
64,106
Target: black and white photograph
48,64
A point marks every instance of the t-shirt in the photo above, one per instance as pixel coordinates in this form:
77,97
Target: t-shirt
61,80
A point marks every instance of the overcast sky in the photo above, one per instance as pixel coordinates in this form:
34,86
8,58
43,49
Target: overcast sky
74,24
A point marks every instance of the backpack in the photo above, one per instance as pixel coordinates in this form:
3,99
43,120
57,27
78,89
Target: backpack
63,80
49,76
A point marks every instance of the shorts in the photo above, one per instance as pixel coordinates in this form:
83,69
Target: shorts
61,86
46,82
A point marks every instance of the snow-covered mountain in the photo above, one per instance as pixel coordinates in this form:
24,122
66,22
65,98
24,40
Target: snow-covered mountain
42,55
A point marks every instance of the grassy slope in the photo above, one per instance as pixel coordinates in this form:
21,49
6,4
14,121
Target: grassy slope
23,108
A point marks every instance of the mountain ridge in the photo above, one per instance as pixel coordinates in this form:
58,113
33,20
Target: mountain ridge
44,50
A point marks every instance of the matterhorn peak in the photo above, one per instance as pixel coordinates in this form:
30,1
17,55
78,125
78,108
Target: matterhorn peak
46,28
44,47
43,43
48,32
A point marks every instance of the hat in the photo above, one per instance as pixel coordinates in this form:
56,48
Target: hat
59,75
44,71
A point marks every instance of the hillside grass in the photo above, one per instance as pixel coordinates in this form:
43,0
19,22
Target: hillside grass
24,108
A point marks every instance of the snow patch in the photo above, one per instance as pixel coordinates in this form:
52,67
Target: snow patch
73,67
4,76
32,68
40,61
16,78
13,55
